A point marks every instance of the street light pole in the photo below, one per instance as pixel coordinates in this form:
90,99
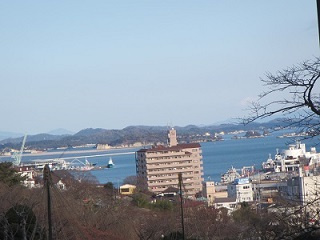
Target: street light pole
318,13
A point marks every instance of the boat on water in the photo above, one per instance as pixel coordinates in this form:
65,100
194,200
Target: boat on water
230,176
110,163
233,174
291,159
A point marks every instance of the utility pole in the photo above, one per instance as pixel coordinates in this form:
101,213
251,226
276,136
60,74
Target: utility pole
181,204
47,185
318,13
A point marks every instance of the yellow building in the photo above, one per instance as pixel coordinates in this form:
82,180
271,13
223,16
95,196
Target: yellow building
127,189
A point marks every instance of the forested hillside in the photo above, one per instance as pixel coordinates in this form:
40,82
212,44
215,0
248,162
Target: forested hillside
131,135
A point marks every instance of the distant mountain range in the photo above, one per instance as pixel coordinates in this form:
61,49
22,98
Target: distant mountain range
60,131
126,136
13,135
5,135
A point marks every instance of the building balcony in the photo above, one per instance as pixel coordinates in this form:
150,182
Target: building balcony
169,171
164,154
170,159
191,183
164,183
171,165
159,176
156,178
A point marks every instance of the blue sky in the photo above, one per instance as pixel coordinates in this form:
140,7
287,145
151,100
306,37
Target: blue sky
111,64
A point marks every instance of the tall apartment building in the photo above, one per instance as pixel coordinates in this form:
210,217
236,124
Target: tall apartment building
158,167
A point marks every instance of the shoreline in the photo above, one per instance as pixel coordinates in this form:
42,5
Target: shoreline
70,151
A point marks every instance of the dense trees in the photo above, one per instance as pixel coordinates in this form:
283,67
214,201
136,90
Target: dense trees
8,175
86,211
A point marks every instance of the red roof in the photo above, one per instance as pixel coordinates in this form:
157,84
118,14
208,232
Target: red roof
173,148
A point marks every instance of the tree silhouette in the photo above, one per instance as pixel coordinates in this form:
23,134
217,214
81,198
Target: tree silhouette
302,108
19,222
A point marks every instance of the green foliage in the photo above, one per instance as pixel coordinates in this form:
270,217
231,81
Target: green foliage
162,205
244,214
8,174
140,200
143,201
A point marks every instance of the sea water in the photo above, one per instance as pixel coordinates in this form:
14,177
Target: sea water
218,157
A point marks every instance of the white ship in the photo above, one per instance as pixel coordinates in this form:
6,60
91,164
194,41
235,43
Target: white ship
110,163
230,175
292,158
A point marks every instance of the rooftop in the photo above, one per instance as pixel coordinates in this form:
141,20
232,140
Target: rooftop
224,200
162,148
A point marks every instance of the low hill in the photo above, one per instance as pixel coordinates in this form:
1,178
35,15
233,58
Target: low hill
6,135
129,135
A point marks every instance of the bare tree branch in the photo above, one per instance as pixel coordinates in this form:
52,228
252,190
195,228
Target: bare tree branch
302,108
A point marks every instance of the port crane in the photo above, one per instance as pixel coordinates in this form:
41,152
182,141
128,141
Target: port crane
18,156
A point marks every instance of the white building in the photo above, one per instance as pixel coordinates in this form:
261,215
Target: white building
241,189
29,174
291,159
309,190
229,203
304,190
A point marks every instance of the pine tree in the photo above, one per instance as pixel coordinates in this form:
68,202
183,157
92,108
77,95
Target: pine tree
9,176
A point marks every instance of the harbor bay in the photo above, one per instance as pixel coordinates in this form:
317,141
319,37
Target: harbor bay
218,156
